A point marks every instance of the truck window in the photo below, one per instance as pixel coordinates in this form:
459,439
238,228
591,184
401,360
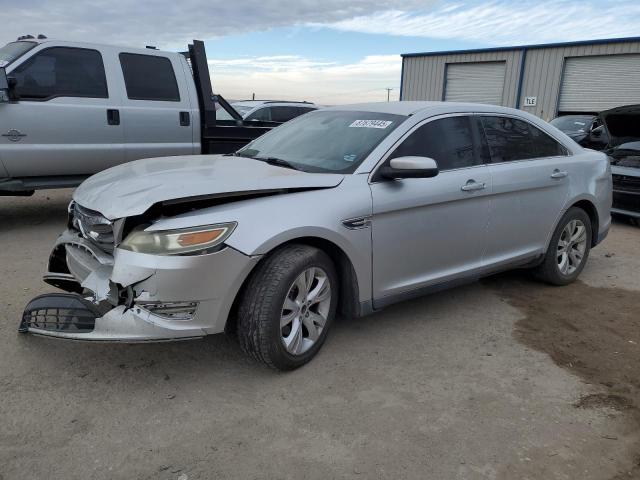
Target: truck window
62,72
149,77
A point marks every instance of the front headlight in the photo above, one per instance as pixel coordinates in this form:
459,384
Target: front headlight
179,242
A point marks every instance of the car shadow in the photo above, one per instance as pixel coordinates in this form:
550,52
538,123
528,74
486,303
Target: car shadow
43,209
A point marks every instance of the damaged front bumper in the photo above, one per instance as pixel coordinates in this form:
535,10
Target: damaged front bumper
135,297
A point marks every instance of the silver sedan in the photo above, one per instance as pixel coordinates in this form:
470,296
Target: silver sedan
342,211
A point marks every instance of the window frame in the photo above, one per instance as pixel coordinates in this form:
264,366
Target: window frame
51,97
375,177
567,152
161,57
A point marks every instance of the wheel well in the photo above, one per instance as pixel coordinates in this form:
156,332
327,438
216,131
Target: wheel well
590,210
349,298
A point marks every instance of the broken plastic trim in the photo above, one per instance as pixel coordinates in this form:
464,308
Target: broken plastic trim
59,312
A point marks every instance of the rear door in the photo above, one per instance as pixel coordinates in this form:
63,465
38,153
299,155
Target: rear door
61,124
156,113
431,230
530,187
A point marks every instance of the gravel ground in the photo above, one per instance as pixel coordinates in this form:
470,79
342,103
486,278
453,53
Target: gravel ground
502,379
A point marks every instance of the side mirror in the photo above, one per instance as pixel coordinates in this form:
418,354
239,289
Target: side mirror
4,86
410,167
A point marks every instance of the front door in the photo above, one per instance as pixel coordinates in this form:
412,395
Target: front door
432,230
61,124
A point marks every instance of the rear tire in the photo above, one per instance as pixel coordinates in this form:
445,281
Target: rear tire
568,249
287,307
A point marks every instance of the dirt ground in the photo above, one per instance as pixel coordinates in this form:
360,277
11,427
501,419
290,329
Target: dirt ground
500,380
592,332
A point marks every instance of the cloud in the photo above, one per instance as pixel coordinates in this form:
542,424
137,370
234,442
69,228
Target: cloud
273,63
505,23
299,78
171,24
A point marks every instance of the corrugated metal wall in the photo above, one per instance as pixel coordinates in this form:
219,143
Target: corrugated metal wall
543,72
424,76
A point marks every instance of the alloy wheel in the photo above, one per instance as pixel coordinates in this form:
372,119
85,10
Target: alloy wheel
305,310
571,247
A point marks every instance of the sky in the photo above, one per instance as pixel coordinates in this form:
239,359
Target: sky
326,51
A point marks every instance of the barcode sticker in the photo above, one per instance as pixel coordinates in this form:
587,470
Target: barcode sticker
370,124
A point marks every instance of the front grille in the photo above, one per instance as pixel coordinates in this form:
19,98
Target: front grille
94,227
627,201
626,182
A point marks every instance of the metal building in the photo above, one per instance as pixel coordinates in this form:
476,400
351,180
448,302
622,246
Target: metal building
545,80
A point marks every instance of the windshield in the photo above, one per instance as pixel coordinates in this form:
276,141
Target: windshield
324,141
573,123
13,50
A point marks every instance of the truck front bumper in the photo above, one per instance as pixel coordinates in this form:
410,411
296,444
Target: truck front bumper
135,297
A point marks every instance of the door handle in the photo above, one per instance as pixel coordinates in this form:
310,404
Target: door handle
558,174
185,119
472,185
113,117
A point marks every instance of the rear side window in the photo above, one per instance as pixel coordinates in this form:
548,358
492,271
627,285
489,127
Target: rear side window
62,72
511,139
262,115
148,77
284,114
448,141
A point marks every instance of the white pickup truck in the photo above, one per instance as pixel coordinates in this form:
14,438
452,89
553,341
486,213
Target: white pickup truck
70,109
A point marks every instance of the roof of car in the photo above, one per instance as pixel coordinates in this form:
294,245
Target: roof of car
256,103
411,107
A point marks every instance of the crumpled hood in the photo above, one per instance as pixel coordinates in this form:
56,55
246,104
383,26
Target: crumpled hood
623,124
132,188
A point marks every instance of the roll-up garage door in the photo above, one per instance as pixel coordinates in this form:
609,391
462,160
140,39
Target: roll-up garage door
481,82
596,83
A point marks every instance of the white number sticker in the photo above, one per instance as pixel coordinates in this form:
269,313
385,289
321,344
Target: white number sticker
370,124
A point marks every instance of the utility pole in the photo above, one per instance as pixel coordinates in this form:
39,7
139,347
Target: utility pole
388,93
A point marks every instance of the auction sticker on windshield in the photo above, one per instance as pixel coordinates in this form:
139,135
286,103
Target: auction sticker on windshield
370,124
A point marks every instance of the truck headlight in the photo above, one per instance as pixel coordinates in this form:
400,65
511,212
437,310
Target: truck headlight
179,242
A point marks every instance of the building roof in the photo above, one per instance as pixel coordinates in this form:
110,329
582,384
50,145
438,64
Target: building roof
526,47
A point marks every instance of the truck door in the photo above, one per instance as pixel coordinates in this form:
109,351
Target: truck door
157,114
63,122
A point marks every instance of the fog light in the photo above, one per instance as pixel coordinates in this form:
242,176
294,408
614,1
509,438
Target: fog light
171,310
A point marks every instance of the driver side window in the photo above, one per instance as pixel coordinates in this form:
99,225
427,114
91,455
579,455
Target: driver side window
62,72
449,141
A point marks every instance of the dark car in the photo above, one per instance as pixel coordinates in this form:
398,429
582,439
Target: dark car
622,128
585,129
617,133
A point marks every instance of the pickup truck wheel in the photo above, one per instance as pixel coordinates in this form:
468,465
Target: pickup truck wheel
568,250
288,306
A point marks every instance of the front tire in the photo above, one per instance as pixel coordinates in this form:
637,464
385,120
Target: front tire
568,250
287,307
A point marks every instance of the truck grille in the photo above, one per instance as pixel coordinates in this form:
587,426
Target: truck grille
94,227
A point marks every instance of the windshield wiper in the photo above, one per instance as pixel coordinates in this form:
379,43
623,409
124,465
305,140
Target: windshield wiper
276,161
